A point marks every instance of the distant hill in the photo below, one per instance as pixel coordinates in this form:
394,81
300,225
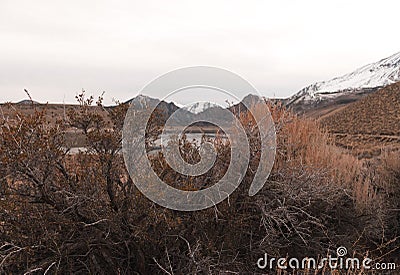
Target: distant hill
143,102
199,110
27,102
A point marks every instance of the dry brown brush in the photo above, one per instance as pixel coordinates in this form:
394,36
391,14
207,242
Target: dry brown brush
81,213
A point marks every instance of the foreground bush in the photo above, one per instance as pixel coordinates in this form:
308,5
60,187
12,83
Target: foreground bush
63,213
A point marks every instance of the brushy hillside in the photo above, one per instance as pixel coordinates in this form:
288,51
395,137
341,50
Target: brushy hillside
62,213
368,124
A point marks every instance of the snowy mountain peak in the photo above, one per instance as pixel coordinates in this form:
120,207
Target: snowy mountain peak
199,107
371,76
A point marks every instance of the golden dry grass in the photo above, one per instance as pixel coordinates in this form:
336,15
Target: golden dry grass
368,125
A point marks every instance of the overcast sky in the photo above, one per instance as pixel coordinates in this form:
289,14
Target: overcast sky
57,48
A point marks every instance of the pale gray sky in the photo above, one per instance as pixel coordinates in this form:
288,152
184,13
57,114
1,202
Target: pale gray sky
56,48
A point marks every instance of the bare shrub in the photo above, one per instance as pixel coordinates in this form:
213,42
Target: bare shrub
63,213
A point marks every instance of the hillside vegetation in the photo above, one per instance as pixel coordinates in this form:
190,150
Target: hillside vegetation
370,124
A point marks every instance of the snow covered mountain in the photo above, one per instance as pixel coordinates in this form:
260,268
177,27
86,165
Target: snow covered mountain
365,79
200,107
